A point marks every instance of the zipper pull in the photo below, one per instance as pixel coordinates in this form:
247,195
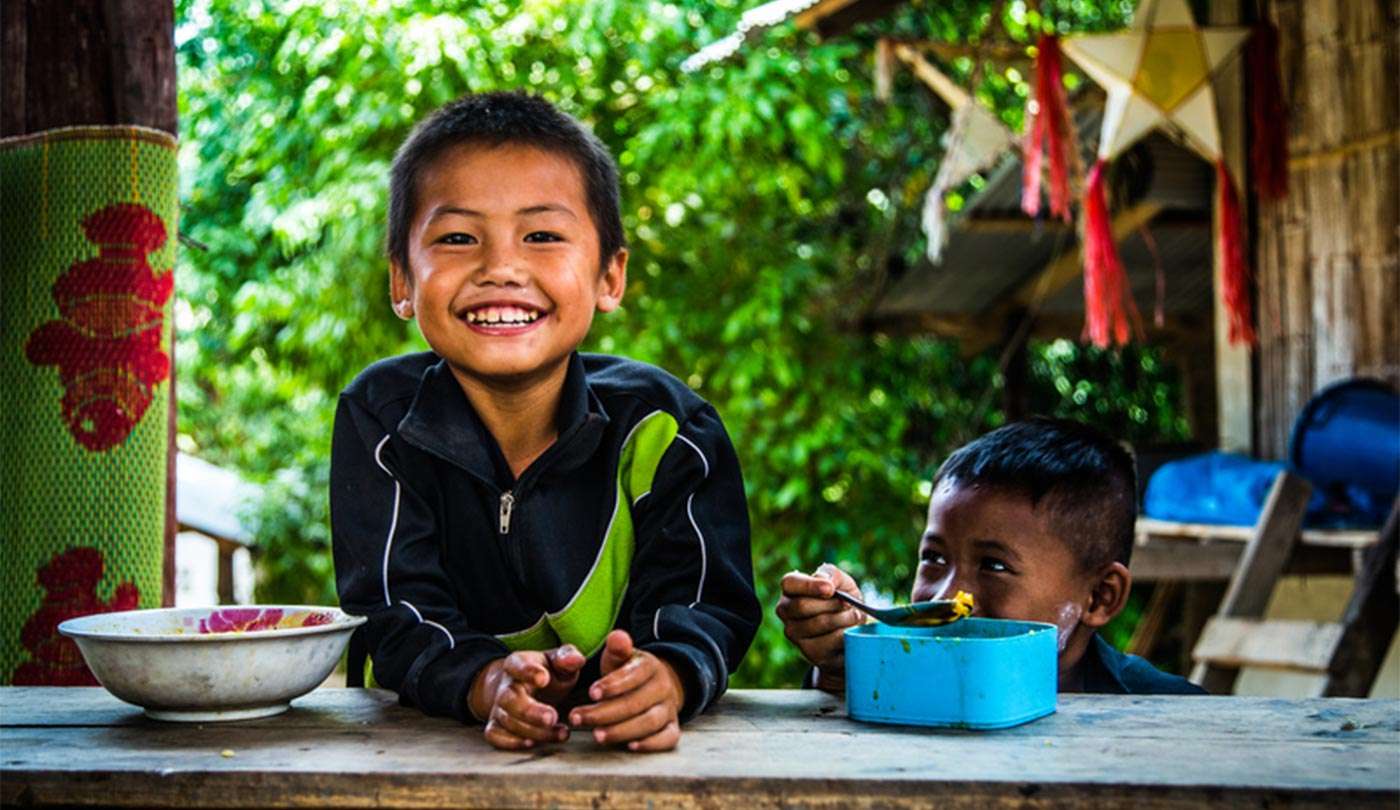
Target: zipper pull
507,506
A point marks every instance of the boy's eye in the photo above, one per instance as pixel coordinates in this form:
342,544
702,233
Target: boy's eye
457,238
543,236
995,566
934,558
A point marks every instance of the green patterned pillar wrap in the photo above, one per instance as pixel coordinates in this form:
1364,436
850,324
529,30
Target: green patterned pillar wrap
87,245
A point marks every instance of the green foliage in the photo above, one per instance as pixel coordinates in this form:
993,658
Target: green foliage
763,199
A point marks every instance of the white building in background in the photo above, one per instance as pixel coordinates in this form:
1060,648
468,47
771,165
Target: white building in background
213,563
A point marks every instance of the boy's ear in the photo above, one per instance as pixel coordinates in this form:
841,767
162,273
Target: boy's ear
400,290
613,282
1108,595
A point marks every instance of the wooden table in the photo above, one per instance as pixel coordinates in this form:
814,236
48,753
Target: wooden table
772,748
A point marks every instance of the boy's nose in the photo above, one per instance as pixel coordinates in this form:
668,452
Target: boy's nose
500,264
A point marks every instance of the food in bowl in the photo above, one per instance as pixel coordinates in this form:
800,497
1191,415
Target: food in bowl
213,663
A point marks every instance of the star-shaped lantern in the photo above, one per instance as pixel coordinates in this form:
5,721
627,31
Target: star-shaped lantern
976,140
1157,75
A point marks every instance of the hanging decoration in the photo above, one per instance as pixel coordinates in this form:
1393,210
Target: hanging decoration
1268,114
1049,133
1157,75
975,141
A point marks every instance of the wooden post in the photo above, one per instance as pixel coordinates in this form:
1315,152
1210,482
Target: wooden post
1370,619
71,62
1014,392
1234,383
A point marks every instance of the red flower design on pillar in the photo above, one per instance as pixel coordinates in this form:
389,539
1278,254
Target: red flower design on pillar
70,580
107,345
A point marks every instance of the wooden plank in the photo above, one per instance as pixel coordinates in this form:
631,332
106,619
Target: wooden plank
772,712
942,86
1001,51
1069,266
1274,644
1010,224
1234,385
618,788
1370,618
1267,553
819,11
759,749
1260,566
1170,529
1178,561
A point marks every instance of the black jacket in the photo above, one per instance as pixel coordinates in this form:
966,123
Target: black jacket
1108,671
456,563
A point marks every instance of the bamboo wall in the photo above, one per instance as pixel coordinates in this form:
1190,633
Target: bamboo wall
1328,256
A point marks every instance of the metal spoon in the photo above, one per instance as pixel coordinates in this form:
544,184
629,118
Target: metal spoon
918,614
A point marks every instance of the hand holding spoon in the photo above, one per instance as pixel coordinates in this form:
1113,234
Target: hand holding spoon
919,614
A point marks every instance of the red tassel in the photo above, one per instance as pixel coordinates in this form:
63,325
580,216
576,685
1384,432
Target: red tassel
1108,302
1048,128
1268,152
1234,268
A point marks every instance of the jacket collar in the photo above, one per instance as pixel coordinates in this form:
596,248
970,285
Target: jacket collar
1103,668
442,421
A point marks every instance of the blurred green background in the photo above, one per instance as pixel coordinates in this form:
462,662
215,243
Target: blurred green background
764,199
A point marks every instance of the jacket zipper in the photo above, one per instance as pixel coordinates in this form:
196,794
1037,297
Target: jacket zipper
507,506
508,498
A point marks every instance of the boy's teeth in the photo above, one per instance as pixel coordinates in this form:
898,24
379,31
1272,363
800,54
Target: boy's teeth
504,315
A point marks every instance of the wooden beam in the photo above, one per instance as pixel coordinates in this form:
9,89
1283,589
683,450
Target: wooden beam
1292,645
1260,566
1234,388
1015,368
1069,265
996,51
942,86
1014,224
87,62
1179,561
834,17
1370,618
962,327
1333,538
820,11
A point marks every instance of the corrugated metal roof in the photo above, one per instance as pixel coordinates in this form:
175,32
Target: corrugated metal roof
983,264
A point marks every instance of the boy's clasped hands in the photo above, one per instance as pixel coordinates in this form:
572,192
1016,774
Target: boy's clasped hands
637,700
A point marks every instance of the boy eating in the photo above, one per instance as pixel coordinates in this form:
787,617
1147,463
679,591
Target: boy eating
540,539
1035,520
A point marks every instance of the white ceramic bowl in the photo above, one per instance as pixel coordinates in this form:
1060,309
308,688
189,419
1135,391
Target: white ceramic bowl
213,663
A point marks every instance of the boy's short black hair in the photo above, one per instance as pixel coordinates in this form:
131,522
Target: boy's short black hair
1086,480
497,119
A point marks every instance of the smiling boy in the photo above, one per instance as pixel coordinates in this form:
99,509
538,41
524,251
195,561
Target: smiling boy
535,535
1035,519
